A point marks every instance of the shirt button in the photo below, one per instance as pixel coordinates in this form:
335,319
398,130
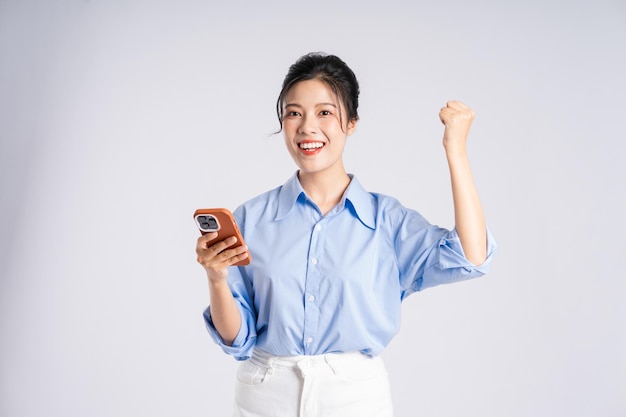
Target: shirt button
309,340
311,298
318,227
314,261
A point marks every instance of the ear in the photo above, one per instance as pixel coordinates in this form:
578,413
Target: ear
351,126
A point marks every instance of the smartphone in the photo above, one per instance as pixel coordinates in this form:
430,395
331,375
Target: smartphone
220,220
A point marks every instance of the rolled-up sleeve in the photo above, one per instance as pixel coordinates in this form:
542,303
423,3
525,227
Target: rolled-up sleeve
448,263
429,255
243,345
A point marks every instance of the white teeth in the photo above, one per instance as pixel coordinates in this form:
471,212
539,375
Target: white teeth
311,145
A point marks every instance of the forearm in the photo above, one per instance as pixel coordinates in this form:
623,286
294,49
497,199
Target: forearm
224,312
468,213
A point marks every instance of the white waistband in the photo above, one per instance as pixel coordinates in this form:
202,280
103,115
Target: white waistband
332,359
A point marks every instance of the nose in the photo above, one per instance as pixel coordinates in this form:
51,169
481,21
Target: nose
308,125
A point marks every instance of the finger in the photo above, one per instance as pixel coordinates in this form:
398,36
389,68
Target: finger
228,253
445,114
238,258
236,251
205,238
232,256
221,246
456,104
207,252
455,112
208,243
216,259
226,258
217,253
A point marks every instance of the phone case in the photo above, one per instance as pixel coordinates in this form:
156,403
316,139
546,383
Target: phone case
226,227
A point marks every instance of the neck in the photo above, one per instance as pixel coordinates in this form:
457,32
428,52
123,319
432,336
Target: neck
325,190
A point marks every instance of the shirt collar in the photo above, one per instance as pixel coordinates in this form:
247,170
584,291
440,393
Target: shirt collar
360,202
287,196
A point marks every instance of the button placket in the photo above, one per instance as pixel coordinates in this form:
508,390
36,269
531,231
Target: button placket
312,283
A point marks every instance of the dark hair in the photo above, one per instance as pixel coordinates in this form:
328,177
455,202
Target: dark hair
333,72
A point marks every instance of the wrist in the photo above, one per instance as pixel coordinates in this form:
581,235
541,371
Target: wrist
456,152
218,284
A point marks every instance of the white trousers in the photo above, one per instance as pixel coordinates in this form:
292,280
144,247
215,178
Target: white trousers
331,385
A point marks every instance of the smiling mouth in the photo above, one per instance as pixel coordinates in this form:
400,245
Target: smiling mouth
311,146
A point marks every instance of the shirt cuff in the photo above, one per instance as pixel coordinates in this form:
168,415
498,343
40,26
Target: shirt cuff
451,254
243,345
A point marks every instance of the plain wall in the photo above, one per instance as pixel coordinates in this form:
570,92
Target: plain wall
118,119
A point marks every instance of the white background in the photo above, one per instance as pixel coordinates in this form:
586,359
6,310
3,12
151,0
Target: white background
119,118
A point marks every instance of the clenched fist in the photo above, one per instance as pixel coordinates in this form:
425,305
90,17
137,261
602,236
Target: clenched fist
457,118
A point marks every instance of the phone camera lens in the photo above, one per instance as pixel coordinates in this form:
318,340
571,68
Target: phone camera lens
207,223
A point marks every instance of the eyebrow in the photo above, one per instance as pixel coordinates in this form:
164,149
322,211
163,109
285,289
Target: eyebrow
318,104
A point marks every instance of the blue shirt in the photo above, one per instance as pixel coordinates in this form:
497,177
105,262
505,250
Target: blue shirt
334,283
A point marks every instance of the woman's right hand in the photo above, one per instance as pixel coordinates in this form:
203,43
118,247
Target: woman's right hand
216,258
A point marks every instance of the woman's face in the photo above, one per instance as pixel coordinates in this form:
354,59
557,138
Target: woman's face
312,129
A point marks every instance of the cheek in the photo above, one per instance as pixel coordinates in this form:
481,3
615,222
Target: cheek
333,129
291,148
289,128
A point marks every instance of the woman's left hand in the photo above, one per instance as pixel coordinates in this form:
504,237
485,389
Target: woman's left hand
457,118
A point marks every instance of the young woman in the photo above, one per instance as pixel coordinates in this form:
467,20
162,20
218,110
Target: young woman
331,262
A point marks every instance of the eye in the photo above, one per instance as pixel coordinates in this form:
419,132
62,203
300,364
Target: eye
325,113
292,114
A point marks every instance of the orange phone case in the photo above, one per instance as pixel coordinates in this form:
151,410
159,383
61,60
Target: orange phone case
226,227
